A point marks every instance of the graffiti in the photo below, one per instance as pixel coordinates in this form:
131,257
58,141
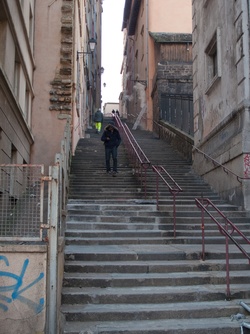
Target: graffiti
17,289
247,165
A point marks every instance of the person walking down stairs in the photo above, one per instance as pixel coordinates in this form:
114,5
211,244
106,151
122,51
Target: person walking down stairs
112,139
98,119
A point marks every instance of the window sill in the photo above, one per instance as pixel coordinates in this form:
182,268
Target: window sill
211,85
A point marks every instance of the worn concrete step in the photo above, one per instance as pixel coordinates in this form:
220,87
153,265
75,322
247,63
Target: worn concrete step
173,326
140,234
155,224
153,266
144,252
192,240
138,311
106,280
111,241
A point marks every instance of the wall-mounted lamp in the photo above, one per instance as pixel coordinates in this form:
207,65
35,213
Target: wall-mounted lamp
92,44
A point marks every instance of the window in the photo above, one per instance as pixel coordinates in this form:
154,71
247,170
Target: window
13,154
17,77
27,110
31,28
213,60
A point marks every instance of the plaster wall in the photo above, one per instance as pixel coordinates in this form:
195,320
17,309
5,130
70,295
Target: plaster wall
23,288
176,16
47,125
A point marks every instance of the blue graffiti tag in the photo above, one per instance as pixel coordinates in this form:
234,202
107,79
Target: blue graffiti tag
17,288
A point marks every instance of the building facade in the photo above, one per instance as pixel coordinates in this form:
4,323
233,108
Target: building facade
49,76
221,96
16,80
142,20
67,74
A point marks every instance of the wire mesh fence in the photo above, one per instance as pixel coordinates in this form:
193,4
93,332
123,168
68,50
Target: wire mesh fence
21,202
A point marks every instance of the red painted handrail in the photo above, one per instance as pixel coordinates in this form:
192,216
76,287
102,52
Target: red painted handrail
140,159
174,190
203,204
136,155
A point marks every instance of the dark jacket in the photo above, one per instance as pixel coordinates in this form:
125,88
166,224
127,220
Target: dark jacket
111,138
98,117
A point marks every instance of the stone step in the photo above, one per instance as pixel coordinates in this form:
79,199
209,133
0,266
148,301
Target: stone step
143,311
154,224
179,249
153,266
192,240
134,280
140,234
221,325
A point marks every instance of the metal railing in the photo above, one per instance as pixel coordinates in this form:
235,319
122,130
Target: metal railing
25,197
227,231
216,163
175,189
141,163
137,157
21,202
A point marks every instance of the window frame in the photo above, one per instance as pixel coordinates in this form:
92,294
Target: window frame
213,64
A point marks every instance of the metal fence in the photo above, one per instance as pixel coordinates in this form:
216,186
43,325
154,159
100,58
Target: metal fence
21,202
178,111
26,202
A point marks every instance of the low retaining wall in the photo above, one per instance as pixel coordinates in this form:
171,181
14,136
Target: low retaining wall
182,142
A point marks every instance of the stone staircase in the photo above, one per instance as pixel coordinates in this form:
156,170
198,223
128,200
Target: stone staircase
124,270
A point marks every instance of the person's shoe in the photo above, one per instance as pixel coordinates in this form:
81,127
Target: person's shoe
109,172
114,174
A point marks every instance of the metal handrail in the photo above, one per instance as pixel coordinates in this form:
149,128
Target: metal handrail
173,190
225,169
137,156
140,158
203,204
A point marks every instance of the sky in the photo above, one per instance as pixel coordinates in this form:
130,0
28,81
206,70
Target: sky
112,49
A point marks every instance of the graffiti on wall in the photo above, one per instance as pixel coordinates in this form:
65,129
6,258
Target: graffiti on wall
247,165
18,284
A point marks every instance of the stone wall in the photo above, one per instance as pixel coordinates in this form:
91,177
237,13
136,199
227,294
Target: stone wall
61,86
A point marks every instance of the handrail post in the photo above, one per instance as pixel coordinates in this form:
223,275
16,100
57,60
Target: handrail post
157,191
202,233
227,266
174,212
225,232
